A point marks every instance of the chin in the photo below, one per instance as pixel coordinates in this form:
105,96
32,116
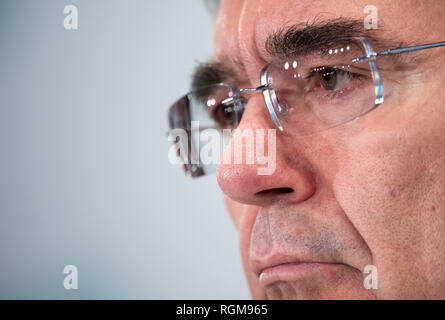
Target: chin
300,290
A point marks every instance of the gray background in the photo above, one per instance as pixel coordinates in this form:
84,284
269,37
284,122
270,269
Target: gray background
84,174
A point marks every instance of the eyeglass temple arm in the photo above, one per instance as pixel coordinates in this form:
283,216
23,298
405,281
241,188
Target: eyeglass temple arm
401,50
254,89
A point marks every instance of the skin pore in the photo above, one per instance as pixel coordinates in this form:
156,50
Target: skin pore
369,192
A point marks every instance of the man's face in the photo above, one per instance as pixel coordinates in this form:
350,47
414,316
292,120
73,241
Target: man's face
369,192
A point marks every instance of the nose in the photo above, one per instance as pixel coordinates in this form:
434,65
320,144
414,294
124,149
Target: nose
249,183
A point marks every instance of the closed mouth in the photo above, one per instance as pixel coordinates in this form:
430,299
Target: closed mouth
297,270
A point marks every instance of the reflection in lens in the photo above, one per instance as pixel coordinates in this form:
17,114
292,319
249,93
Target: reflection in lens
214,107
333,78
322,90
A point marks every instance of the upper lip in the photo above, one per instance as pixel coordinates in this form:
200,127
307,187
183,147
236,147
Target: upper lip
259,265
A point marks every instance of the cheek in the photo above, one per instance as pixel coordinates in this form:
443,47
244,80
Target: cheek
394,171
391,166
390,185
378,181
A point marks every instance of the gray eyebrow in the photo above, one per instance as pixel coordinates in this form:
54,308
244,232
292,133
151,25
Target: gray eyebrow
293,41
209,73
305,39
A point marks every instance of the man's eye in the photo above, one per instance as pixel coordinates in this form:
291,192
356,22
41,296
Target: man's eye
224,115
333,79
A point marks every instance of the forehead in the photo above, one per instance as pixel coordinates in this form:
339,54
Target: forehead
242,27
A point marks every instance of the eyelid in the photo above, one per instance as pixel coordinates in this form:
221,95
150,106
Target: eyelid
314,71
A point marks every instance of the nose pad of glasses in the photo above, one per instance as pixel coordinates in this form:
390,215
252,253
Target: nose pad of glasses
282,108
271,100
238,106
273,108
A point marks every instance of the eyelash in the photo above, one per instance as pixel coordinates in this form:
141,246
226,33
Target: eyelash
339,93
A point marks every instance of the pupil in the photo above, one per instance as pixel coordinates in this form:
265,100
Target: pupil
224,116
228,113
329,79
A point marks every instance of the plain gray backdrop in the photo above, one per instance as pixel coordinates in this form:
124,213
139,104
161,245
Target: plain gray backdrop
84,174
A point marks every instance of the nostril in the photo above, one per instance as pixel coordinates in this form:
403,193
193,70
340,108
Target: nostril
274,192
286,190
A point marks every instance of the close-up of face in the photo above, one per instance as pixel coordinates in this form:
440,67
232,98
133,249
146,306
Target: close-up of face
366,192
210,151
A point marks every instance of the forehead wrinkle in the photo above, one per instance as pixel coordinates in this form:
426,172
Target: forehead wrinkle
248,57
293,35
225,40
227,43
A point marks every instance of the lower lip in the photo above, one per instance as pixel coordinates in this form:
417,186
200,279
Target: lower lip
295,271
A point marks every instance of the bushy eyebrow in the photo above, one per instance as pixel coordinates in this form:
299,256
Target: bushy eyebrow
297,40
304,39
210,73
